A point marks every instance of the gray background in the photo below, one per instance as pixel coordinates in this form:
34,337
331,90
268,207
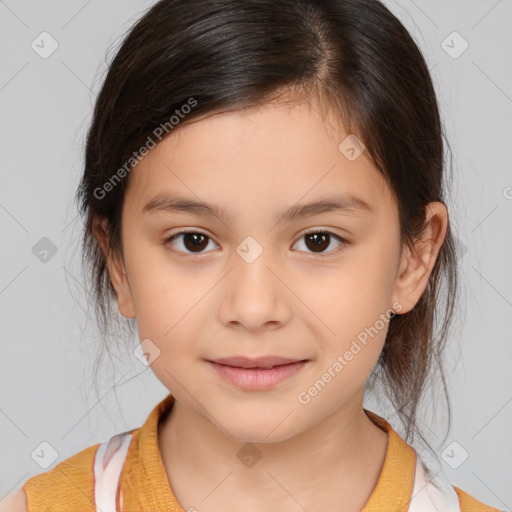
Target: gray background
48,337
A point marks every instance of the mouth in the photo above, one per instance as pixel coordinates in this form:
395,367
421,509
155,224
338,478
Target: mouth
256,374
263,363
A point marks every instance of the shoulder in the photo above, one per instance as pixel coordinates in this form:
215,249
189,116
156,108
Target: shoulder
470,504
14,502
69,484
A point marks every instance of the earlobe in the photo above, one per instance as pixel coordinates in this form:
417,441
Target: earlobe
116,270
417,262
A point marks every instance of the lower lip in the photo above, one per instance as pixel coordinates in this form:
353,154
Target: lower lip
256,379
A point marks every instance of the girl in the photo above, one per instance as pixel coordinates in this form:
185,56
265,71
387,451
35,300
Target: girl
263,193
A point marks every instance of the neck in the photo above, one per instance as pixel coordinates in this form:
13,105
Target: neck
347,446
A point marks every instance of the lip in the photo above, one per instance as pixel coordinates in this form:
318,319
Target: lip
256,374
258,362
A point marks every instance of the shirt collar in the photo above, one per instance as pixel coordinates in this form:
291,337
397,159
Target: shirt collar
391,494
393,491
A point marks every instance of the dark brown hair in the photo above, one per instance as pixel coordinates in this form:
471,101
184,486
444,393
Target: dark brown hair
226,55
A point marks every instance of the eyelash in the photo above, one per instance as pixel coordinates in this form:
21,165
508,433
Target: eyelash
344,242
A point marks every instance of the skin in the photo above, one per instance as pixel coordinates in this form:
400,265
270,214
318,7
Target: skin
290,302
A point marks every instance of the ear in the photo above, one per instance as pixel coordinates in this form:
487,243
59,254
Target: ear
116,269
416,265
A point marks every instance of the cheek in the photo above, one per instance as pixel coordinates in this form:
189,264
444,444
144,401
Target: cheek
166,313
157,283
354,293
352,306
350,348
169,302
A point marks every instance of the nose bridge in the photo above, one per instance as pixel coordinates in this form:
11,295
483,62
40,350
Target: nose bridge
255,296
252,268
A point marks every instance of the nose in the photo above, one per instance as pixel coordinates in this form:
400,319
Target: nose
254,294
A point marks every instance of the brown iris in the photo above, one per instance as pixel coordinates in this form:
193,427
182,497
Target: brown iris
320,241
195,242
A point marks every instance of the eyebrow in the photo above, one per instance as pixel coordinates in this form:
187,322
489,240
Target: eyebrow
345,203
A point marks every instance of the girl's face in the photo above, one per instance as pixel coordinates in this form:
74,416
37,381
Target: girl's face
253,281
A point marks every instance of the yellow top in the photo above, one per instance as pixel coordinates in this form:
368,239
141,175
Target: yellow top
69,486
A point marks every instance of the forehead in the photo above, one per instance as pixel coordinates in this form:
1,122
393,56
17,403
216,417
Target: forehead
254,159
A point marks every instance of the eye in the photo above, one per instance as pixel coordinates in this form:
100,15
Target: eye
319,240
193,241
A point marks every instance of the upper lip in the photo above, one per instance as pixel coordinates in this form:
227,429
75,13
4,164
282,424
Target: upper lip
258,362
